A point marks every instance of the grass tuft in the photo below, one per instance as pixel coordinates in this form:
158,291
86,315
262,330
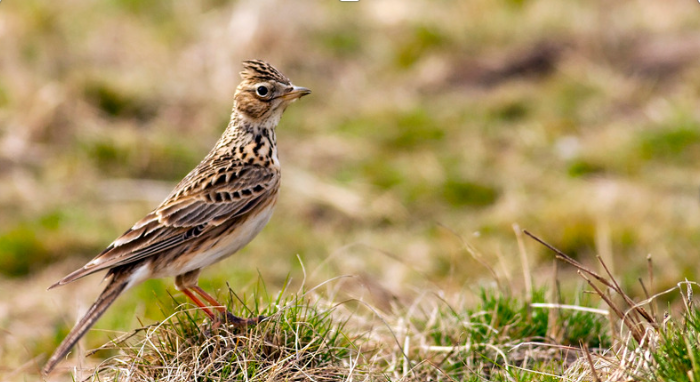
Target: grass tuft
298,341
500,337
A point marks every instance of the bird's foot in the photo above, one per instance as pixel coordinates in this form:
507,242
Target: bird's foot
231,319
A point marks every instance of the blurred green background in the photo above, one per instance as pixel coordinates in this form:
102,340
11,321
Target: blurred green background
433,125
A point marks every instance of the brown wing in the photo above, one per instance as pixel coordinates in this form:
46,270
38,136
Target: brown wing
199,203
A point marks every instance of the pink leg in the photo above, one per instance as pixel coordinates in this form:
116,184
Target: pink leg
215,304
236,321
199,303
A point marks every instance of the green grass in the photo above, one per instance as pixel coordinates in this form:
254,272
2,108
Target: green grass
422,117
298,340
679,350
307,336
677,142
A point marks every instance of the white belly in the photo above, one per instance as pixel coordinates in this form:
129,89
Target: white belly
226,246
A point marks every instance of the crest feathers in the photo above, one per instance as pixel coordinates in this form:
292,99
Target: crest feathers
258,71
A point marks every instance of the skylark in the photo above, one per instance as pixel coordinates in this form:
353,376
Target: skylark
213,212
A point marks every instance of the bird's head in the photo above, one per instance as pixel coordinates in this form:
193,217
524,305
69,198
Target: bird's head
264,92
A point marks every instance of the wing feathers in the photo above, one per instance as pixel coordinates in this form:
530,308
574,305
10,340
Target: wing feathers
188,212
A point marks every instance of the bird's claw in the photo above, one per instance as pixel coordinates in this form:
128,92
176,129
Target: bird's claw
231,319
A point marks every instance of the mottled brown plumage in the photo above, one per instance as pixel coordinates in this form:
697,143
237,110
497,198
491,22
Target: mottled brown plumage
213,212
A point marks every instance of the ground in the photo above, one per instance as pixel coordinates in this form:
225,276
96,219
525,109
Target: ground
433,129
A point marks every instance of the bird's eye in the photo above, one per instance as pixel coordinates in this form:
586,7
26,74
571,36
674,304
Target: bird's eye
262,91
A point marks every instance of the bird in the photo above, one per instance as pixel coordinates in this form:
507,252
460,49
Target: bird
213,212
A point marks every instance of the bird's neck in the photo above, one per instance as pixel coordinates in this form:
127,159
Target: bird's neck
256,138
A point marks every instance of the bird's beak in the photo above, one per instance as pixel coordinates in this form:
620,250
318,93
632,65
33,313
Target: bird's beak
296,92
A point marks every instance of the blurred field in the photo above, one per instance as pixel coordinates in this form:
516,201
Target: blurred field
432,124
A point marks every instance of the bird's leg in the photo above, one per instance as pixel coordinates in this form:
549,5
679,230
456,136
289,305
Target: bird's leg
230,317
215,304
185,282
198,302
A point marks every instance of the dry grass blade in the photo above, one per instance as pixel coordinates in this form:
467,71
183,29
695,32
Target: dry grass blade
527,274
631,316
640,310
650,272
584,347
554,299
562,256
121,339
629,321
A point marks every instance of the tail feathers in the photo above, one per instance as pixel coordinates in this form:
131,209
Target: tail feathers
115,287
